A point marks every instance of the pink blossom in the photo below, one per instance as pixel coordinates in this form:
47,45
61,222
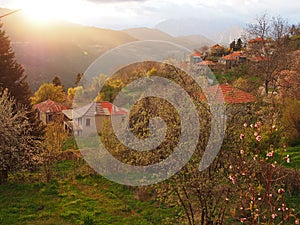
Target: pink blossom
245,124
255,134
231,167
251,125
296,221
232,179
242,152
243,219
258,138
288,160
281,190
270,154
274,215
242,136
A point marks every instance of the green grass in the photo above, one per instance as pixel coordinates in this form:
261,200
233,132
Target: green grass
294,153
86,199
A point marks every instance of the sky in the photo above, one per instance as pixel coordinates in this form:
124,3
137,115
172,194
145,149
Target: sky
121,14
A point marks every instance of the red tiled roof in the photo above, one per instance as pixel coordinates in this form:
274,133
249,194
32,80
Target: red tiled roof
113,109
50,106
237,53
207,63
230,94
229,57
197,54
255,40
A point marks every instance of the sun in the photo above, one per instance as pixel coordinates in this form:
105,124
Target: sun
48,10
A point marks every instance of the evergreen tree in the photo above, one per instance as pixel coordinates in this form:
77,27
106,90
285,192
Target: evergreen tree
78,78
232,46
239,45
12,77
56,81
11,73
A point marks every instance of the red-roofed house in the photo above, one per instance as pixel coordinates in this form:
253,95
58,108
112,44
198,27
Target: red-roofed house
256,43
232,59
89,119
227,94
49,110
196,57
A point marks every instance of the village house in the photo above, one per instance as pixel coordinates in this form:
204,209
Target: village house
49,111
196,57
89,119
232,59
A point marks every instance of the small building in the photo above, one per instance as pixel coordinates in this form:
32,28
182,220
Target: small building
232,59
89,119
49,111
196,57
256,43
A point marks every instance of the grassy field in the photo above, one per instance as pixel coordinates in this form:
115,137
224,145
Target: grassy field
294,153
87,200
76,196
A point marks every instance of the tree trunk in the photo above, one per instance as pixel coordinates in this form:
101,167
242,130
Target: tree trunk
3,176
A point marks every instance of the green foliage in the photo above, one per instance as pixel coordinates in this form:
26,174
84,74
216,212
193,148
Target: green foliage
291,120
49,91
55,137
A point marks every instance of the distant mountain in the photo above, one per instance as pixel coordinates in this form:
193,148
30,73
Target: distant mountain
144,33
226,36
194,26
57,49
191,41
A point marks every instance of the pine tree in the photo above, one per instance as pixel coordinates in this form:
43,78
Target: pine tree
56,81
11,73
12,77
232,46
239,45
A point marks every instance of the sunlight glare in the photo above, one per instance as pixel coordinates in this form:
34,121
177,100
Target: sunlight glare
48,10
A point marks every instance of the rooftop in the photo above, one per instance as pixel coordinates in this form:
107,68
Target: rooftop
50,106
228,94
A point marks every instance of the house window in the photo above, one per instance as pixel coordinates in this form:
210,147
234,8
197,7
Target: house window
79,121
88,122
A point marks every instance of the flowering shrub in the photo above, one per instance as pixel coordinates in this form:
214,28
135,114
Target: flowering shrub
256,175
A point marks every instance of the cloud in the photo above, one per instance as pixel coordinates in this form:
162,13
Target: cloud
115,1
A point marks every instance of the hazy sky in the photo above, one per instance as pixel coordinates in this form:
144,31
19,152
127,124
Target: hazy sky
147,13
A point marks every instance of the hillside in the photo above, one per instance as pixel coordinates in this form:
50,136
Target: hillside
144,33
190,41
57,49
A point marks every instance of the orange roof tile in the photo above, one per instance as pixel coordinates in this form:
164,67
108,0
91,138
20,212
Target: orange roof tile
255,40
207,63
50,106
228,94
197,54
